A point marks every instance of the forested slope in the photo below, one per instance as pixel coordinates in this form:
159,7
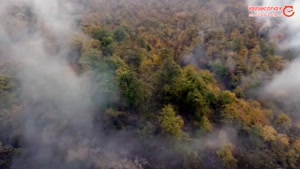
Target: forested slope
175,85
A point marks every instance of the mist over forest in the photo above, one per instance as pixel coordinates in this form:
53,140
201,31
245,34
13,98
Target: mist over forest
148,84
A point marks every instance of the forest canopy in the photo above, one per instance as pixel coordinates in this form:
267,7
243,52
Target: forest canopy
141,84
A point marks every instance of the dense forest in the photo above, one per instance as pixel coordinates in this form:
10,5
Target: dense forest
149,84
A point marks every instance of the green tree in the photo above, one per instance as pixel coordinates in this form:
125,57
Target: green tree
90,59
165,79
283,123
7,96
225,98
195,93
101,34
171,124
106,39
225,153
133,90
120,34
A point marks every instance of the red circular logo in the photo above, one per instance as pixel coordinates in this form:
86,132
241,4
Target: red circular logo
288,11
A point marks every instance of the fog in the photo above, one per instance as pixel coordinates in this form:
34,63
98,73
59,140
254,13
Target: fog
57,120
57,113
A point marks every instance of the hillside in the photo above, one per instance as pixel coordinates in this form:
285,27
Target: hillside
141,84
